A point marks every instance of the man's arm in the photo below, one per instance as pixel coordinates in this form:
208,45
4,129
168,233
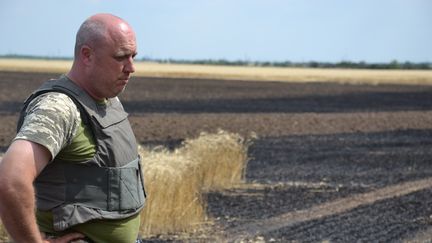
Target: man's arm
20,166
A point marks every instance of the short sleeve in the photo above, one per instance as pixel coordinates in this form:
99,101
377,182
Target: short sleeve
51,120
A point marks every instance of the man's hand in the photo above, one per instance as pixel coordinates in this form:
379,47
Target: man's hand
72,237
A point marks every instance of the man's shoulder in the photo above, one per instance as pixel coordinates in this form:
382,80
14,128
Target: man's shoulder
53,97
57,102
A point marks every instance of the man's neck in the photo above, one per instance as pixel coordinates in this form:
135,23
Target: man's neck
82,83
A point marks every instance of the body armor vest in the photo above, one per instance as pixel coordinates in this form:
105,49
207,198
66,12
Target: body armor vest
108,186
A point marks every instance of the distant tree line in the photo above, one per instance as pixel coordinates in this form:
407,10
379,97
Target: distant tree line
311,64
13,56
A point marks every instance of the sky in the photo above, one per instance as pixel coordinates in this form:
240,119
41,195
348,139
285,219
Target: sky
248,30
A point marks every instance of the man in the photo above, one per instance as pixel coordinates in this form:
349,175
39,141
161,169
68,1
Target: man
75,148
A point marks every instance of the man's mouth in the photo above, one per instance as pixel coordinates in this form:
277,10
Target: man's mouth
124,80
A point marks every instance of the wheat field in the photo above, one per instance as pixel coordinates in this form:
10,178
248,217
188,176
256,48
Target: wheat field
150,69
176,180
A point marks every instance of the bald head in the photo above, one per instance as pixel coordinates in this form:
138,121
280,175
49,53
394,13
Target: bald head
104,54
97,28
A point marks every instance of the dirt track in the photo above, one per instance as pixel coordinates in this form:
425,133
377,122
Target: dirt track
319,144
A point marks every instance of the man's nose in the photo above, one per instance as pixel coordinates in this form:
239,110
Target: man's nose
129,66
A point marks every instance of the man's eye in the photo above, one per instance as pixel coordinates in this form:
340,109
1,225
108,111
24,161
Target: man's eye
120,58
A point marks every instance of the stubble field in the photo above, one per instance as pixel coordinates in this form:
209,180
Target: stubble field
333,162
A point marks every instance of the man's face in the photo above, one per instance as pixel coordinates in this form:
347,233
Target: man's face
113,63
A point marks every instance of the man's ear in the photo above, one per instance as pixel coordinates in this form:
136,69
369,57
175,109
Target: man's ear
86,54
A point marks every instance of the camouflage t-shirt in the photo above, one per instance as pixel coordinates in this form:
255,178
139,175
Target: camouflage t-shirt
52,120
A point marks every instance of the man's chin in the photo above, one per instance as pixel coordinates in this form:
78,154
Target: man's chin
120,90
